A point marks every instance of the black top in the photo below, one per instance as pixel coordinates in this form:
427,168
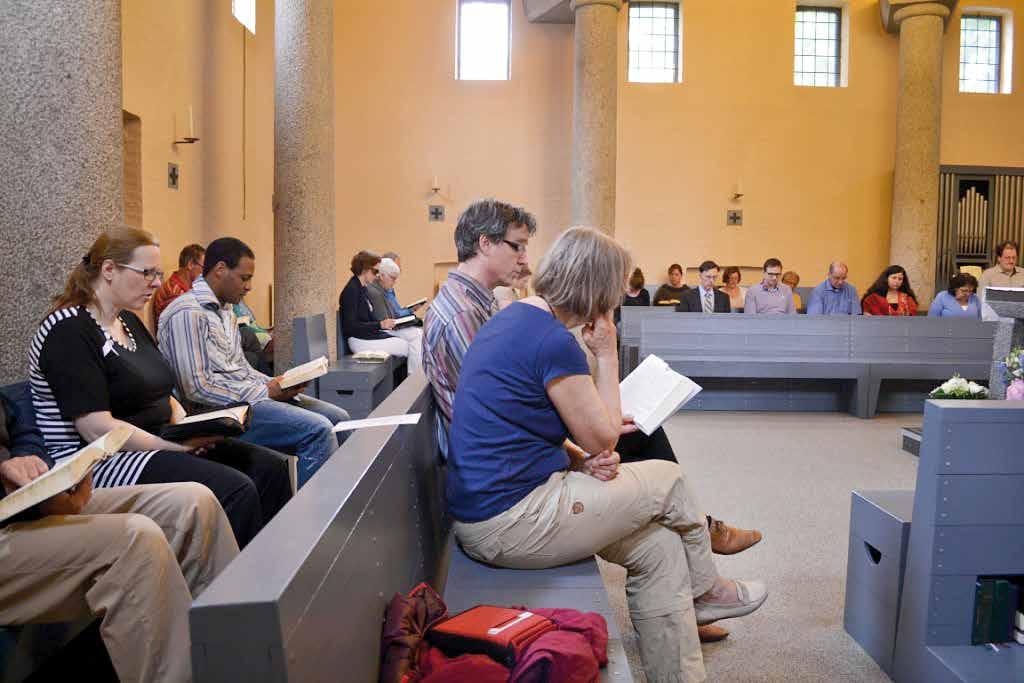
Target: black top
669,293
357,318
641,299
88,372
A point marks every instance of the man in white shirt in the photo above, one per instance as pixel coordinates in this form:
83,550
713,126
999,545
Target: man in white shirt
1006,273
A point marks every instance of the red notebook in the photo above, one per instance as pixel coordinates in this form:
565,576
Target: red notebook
498,632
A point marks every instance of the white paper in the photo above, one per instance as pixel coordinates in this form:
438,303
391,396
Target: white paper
406,419
653,392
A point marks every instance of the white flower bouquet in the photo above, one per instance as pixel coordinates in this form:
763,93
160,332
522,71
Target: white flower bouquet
958,387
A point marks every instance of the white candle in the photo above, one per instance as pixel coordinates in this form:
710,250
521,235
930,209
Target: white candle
435,186
191,124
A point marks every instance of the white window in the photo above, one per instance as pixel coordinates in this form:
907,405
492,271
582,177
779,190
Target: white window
986,51
654,42
245,12
818,46
483,35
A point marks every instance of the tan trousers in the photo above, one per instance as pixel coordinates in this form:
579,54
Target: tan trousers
646,520
135,558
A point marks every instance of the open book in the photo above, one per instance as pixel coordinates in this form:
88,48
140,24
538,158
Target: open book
371,356
416,303
66,474
405,321
306,372
653,392
230,421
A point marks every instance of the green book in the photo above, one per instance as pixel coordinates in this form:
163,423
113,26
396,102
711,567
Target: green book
984,594
1004,605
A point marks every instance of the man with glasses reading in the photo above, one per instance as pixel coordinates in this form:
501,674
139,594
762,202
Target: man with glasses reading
705,298
771,296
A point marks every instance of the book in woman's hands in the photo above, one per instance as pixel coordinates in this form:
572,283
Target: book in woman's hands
405,321
230,421
306,372
653,392
64,475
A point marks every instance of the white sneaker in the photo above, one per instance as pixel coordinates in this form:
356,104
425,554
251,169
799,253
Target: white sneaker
751,594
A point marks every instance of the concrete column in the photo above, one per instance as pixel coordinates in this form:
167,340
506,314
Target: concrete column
304,256
918,124
595,94
61,180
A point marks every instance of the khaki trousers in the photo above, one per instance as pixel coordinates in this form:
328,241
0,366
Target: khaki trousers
646,520
134,557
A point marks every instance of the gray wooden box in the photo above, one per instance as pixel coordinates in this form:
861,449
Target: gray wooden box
356,387
876,562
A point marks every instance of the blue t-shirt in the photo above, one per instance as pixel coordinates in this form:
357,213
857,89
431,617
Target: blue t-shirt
506,436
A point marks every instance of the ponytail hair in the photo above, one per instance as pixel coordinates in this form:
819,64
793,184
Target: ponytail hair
117,244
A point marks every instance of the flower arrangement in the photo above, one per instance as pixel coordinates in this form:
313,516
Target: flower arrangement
1013,373
958,387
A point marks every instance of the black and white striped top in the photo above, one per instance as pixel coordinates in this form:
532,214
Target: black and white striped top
77,368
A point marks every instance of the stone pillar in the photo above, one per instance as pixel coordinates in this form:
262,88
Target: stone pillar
61,180
304,255
594,121
915,201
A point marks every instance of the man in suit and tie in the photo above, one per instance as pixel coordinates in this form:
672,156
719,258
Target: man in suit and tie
704,298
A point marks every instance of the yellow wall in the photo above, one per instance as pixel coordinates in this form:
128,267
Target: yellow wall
178,54
815,163
402,118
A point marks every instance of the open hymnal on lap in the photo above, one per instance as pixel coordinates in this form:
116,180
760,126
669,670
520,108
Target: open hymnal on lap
66,474
230,421
653,392
405,321
306,372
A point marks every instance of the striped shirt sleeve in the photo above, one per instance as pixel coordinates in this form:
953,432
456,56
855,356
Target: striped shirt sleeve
205,375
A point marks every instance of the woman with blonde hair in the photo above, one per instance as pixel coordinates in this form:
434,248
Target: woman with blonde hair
93,366
521,499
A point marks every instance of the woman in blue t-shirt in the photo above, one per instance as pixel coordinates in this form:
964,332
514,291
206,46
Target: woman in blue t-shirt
524,496
959,300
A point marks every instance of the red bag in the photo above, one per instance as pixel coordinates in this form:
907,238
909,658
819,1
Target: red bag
498,632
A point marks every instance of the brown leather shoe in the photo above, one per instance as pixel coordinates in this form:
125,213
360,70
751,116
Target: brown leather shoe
728,540
711,633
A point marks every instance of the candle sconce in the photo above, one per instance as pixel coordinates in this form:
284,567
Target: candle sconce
189,139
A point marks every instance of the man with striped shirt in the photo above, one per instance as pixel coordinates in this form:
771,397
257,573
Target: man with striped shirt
199,337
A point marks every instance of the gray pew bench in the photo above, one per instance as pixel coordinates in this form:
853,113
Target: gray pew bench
356,387
864,364
761,362
305,600
914,355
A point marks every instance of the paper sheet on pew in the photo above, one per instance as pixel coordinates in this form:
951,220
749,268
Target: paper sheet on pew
387,421
653,392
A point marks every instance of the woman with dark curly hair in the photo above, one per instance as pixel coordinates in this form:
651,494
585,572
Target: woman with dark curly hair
890,294
959,299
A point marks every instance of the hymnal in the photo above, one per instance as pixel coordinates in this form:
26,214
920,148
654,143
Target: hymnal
306,372
230,421
418,302
653,392
405,321
371,356
64,475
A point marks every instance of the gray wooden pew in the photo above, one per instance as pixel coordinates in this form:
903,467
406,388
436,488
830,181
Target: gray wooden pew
761,362
863,364
305,600
925,351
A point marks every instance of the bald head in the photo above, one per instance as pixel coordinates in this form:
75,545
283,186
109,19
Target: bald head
837,272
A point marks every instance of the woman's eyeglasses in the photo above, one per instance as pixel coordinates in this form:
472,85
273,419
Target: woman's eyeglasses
149,274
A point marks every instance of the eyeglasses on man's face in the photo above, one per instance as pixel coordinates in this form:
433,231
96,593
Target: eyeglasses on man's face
149,274
519,248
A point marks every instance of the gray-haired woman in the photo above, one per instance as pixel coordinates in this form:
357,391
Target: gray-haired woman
523,497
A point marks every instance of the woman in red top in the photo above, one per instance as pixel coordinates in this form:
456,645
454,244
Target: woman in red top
891,294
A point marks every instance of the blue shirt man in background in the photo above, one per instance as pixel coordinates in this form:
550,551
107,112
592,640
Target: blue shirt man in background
834,296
